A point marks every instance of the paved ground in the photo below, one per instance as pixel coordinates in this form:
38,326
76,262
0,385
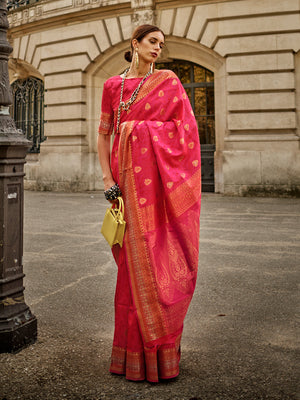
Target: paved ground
240,333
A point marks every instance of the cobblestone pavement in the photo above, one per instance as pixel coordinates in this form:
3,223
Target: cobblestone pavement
239,338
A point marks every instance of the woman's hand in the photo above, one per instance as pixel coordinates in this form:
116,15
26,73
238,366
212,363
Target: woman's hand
108,183
112,193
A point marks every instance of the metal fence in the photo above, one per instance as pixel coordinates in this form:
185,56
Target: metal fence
13,4
28,109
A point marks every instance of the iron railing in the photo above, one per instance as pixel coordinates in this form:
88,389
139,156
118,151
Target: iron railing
28,109
13,4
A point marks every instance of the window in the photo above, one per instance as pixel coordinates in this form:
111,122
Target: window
199,85
28,109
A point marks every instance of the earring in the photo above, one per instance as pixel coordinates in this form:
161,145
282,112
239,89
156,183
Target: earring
137,61
151,68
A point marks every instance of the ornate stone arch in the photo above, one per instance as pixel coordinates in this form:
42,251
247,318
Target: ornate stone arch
20,69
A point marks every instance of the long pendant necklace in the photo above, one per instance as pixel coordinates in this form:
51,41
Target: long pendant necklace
126,106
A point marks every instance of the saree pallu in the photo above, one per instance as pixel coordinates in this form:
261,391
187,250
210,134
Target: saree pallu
156,161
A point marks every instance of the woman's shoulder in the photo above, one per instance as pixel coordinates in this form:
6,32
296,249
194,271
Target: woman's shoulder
114,78
112,82
166,73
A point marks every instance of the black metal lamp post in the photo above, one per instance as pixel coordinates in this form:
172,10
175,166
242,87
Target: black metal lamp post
18,326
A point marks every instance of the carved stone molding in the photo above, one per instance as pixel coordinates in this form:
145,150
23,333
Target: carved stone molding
141,17
50,9
143,12
141,3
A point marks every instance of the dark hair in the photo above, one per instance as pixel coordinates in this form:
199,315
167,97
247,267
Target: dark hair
139,33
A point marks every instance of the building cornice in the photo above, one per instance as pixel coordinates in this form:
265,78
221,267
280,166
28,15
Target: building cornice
163,4
57,13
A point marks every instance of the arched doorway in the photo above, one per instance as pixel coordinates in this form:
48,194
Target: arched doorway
199,86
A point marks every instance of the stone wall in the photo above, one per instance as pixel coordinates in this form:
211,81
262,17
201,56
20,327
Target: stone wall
252,47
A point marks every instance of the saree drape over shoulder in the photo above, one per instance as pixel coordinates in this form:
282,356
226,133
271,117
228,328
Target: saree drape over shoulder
156,161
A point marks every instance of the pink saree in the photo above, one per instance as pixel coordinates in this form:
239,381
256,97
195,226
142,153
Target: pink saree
156,161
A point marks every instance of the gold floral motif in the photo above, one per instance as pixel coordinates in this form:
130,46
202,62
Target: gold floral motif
182,198
106,124
163,278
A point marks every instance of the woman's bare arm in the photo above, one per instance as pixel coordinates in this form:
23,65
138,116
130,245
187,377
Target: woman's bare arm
104,158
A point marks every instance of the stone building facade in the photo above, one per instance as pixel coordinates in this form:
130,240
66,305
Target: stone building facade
250,46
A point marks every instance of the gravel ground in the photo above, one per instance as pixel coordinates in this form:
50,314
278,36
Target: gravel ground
240,336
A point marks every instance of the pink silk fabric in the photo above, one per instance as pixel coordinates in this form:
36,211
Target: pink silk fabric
156,161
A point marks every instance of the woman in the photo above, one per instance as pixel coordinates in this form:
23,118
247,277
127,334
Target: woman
155,165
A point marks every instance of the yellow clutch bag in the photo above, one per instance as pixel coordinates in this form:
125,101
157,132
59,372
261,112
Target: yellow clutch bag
113,226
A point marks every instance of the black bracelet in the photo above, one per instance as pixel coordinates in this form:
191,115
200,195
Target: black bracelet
113,193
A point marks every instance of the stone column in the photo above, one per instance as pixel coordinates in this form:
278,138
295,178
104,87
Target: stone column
18,327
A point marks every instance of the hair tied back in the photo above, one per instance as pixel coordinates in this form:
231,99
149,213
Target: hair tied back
128,56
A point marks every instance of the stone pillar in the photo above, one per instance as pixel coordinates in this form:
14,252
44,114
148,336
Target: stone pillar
18,327
143,12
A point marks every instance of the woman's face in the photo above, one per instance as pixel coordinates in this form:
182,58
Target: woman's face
149,48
